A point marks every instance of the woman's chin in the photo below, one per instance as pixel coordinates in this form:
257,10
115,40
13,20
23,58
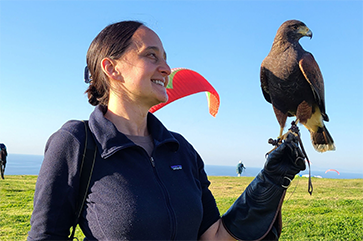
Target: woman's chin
159,100
163,98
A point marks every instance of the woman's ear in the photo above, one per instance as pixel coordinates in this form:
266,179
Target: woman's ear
109,68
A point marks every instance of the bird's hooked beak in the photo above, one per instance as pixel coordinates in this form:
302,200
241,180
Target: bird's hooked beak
305,31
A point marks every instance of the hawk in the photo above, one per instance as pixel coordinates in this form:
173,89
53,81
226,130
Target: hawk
292,82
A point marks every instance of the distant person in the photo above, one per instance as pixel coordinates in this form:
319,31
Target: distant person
148,183
3,155
240,168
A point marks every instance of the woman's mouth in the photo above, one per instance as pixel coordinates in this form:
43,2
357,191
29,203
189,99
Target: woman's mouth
158,82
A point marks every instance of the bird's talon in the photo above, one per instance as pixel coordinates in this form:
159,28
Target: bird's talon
273,142
294,128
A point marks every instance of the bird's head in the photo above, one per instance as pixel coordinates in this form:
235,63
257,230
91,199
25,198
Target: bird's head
293,30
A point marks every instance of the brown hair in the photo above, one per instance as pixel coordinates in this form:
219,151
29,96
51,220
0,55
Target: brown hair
111,42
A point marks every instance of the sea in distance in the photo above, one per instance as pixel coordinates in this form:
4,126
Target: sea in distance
18,164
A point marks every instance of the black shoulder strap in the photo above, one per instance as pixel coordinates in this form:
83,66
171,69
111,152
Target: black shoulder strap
86,169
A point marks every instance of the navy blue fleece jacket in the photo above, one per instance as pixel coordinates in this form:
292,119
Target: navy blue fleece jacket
132,196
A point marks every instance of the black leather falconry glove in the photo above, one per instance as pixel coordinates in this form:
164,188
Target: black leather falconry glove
256,214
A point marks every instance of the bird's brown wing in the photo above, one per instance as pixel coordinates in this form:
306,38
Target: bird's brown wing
264,84
311,71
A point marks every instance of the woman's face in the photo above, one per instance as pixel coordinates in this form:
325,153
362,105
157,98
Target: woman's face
143,69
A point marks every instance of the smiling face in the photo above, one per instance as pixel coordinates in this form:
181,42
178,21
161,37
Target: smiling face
143,71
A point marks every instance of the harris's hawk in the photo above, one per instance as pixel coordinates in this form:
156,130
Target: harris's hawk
292,82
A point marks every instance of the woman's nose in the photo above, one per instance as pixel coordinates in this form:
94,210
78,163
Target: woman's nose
165,68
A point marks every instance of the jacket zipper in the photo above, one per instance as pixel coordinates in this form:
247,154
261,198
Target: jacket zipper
168,204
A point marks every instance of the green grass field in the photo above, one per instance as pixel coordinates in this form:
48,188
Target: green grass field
333,212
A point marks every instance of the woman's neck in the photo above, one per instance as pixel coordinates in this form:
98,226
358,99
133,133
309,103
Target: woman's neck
128,118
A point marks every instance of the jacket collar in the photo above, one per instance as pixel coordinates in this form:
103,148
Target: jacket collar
110,140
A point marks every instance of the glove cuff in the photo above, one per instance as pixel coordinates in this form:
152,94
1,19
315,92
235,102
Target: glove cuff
252,216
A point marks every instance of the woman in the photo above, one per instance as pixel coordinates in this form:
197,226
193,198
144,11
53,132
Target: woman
136,193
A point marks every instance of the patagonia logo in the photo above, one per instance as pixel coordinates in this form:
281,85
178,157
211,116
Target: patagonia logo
176,167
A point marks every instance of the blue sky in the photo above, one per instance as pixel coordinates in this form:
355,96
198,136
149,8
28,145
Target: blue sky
43,45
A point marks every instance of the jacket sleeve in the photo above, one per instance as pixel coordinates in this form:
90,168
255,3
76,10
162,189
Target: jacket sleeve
210,210
57,185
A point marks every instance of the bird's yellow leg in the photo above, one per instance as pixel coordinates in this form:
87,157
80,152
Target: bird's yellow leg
283,136
277,142
280,138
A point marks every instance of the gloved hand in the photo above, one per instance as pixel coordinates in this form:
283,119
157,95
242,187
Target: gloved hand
256,214
285,162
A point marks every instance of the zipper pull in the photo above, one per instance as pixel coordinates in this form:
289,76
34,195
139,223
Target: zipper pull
152,161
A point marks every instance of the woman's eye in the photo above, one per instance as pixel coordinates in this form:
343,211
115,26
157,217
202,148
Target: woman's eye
153,56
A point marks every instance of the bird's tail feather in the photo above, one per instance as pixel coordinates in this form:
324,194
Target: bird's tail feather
322,140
